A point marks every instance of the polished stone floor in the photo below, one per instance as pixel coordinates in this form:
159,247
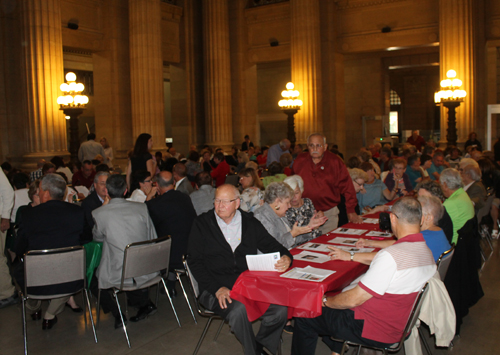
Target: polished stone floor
160,334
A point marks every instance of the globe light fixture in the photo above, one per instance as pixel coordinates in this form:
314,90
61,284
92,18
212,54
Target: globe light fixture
450,96
290,104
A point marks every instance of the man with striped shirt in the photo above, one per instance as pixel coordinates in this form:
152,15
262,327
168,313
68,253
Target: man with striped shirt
374,310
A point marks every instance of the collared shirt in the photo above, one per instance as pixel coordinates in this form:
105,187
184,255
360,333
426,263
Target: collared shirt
460,208
466,187
231,231
35,175
179,182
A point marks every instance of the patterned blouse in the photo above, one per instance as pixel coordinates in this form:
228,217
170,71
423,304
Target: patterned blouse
251,199
303,215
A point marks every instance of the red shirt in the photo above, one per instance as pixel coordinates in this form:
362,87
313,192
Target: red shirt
419,142
220,172
325,182
80,180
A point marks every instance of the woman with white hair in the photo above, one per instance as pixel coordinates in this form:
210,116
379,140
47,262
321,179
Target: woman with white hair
302,210
272,216
471,177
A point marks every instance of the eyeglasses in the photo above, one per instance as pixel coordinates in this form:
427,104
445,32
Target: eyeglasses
224,202
145,181
315,146
360,185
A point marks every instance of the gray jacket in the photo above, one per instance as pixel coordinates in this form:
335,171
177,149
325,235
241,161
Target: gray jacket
118,224
276,226
203,199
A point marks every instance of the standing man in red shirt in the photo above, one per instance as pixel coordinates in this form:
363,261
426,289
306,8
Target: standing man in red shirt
222,169
326,179
416,140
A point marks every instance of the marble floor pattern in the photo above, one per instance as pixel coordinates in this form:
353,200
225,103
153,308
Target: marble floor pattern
159,334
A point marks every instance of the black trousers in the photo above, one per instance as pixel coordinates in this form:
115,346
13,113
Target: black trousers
337,323
139,298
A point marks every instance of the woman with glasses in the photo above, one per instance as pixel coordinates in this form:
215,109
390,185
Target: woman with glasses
375,192
142,187
272,215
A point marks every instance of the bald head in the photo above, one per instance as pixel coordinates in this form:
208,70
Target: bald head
165,181
227,189
227,202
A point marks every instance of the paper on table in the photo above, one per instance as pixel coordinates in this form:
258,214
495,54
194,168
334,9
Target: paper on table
82,190
262,262
348,231
355,250
344,241
315,246
308,273
379,234
312,257
370,220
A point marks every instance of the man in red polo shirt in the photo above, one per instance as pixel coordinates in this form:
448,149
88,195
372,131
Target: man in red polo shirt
84,176
416,140
326,179
222,169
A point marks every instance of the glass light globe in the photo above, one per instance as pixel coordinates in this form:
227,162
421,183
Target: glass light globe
61,100
285,93
451,73
445,83
456,82
79,87
290,86
67,117
69,99
64,87
85,99
70,76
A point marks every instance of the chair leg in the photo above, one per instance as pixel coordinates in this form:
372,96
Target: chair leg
219,330
86,296
203,335
98,308
171,303
426,345
186,296
83,307
121,316
25,334
157,294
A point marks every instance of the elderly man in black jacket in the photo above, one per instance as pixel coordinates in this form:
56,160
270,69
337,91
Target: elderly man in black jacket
219,242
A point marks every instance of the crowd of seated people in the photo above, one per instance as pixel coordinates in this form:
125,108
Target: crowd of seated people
295,192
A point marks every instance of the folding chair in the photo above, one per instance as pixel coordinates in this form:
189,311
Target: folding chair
201,310
408,328
483,230
139,259
55,267
232,179
178,274
443,263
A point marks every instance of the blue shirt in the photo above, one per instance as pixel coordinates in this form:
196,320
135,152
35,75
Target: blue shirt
413,175
274,153
373,196
434,169
437,242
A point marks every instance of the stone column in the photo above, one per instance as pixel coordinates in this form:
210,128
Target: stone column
306,65
219,125
43,69
146,70
457,51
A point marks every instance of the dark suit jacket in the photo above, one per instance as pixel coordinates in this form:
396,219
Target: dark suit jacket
173,214
89,204
53,224
477,193
185,186
211,259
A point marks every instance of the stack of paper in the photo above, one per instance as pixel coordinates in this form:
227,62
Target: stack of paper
308,273
379,234
344,241
348,231
315,246
370,220
262,262
312,257
356,250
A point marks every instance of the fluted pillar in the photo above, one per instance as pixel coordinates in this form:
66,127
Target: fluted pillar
306,65
219,131
456,51
146,70
43,68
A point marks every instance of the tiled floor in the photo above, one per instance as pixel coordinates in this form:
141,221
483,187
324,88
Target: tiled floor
160,334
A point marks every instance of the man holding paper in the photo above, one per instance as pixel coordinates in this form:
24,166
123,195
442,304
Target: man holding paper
374,311
219,242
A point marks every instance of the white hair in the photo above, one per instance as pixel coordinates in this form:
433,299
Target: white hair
295,181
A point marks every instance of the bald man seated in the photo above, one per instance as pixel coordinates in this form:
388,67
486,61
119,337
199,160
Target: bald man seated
219,242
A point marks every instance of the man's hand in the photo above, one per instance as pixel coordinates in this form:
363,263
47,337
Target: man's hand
223,295
5,224
338,254
361,243
106,200
354,218
283,264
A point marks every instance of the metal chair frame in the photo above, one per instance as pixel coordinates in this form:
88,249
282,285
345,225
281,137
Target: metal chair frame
408,328
70,260
146,246
444,260
483,232
178,274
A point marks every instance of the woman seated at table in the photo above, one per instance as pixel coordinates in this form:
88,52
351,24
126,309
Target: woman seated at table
359,178
397,178
302,210
274,174
376,192
272,216
252,194
432,211
142,187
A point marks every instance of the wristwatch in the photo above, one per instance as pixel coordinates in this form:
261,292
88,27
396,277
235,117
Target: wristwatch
352,255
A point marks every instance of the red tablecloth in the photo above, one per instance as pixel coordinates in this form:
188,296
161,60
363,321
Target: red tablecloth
258,289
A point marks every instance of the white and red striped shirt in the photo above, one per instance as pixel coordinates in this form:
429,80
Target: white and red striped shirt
395,277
